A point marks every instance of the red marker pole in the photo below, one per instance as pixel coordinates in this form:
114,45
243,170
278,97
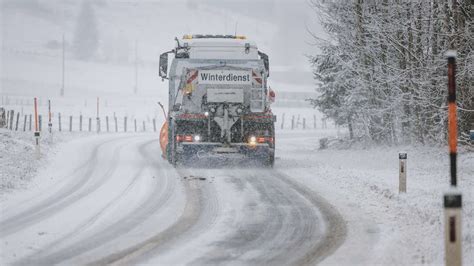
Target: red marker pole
453,199
37,133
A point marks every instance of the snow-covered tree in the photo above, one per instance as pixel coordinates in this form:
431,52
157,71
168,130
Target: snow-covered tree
382,72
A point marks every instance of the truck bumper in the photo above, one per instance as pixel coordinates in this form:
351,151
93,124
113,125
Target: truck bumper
211,149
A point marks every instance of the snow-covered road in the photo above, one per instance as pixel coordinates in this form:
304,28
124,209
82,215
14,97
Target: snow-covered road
112,199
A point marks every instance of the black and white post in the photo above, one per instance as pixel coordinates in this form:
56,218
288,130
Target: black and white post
402,177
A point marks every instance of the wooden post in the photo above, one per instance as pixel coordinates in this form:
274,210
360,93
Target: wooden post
298,121
144,129
17,119
12,115
80,123
304,123
283,121
90,124
24,123
154,125
70,123
116,126
40,121
29,122
125,124
107,122
59,122
292,122
135,120
314,121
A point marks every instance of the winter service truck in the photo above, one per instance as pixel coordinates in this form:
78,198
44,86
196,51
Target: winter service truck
219,100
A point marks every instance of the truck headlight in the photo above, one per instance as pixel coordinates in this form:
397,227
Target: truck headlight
253,140
197,138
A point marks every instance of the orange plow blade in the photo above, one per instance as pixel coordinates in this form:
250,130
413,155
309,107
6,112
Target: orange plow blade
164,139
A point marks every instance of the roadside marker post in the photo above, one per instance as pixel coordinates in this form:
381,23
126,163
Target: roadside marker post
154,125
37,133
50,124
402,177
452,199
453,225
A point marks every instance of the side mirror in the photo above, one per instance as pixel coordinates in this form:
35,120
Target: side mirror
164,65
266,63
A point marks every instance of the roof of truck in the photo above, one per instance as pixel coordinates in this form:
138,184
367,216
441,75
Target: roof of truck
220,47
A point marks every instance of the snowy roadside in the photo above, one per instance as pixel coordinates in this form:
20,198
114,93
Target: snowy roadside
384,227
18,162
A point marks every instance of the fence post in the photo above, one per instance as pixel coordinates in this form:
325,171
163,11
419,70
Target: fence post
12,115
144,129
125,124
304,123
70,123
154,125
292,122
17,119
314,121
298,121
59,122
135,120
98,125
90,124
40,121
80,123
116,126
24,123
402,177
283,121
7,121
29,121
107,122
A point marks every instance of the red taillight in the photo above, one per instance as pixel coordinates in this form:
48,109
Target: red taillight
265,139
184,138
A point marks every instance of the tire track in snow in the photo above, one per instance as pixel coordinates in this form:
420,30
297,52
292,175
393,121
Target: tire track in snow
193,221
59,201
156,200
42,255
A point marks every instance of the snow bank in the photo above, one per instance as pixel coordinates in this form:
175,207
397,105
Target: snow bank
384,227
